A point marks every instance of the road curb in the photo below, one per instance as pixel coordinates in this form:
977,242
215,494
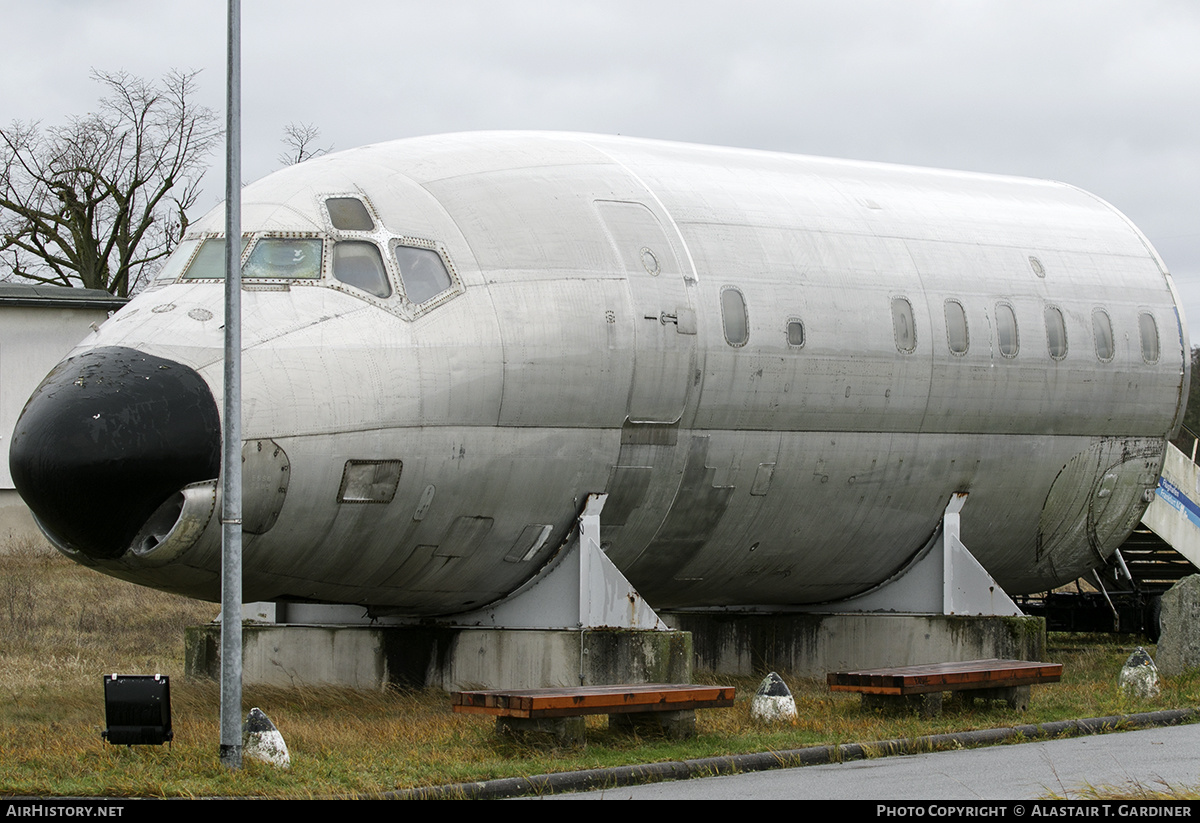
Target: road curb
593,779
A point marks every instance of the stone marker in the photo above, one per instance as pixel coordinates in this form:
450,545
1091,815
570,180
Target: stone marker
1139,677
1179,642
773,702
262,741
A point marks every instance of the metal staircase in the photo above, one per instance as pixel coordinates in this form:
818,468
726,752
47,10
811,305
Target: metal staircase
1164,548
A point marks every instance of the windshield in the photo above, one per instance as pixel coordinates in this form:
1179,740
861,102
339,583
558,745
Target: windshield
273,258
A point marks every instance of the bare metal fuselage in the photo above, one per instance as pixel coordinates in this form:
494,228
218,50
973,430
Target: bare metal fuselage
717,338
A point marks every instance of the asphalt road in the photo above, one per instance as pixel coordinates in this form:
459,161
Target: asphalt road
1150,758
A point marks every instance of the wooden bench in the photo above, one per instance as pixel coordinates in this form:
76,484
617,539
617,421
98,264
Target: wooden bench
667,708
994,679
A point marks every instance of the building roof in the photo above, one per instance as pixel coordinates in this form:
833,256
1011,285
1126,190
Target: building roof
29,294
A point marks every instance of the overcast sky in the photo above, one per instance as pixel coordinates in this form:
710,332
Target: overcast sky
1103,94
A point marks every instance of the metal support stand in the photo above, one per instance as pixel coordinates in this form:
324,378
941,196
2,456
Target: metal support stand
582,590
943,579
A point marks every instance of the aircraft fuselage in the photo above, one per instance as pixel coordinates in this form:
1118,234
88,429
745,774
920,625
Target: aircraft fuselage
779,368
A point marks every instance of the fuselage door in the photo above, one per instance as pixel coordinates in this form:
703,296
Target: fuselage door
664,320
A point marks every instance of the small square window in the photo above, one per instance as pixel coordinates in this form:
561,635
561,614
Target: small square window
369,481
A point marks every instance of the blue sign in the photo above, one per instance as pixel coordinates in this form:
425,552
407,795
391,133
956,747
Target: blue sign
1179,501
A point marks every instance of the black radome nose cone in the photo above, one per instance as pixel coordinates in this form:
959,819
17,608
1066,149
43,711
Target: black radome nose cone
106,438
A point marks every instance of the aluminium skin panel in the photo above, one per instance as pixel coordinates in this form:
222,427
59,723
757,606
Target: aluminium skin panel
776,473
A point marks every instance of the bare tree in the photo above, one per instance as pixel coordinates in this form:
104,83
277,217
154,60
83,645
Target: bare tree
301,141
100,201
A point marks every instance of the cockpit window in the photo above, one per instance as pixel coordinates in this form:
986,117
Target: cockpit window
209,262
284,259
357,263
366,265
423,272
349,214
179,258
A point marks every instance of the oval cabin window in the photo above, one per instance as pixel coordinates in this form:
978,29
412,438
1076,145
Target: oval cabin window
902,325
733,317
1007,339
1056,333
795,333
1103,335
956,327
1148,331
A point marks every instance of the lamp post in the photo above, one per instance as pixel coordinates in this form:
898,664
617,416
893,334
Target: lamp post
231,462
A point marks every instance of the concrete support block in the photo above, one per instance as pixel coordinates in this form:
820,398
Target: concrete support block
811,645
1179,642
549,732
679,725
930,704
373,657
927,705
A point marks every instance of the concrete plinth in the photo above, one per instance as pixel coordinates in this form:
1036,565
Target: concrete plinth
812,645
542,732
1179,643
373,657
680,725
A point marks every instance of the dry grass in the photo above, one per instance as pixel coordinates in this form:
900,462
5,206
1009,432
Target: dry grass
62,627
1134,790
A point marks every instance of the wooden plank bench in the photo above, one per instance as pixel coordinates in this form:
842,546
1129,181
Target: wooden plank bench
993,679
669,708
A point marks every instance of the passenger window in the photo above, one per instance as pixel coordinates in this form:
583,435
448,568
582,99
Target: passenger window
733,317
349,214
284,258
1148,330
956,327
209,262
795,334
1007,337
357,263
1056,333
1102,332
422,272
902,325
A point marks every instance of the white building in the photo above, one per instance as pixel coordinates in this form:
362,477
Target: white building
38,326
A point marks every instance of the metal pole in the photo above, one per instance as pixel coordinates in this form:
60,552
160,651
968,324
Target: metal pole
231,456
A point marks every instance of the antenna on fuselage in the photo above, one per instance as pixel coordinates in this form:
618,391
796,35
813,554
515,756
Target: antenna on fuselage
231,463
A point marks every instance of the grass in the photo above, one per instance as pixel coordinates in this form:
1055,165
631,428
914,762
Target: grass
62,627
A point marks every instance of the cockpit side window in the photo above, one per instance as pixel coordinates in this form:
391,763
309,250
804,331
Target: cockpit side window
175,264
358,263
209,262
423,273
